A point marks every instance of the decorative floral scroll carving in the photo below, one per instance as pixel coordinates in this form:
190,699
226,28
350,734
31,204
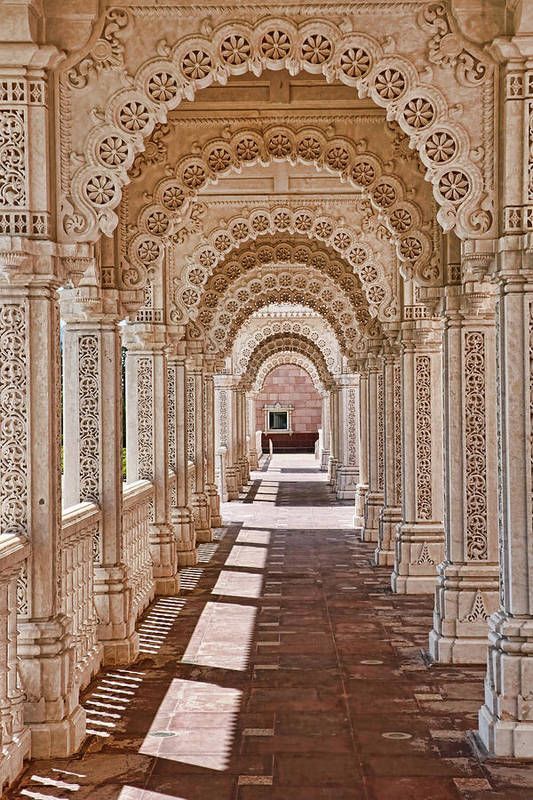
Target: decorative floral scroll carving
89,423
13,419
223,417
283,358
352,429
173,72
23,591
449,48
190,415
424,500
478,612
475,446
397,418
171,396
107,52
144,418
380,431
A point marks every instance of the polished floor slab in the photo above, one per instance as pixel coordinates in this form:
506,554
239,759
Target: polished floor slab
286,670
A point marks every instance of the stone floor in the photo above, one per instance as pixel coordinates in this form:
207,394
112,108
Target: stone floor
285,670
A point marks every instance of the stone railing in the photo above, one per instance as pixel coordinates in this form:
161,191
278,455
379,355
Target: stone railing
138,502
14,737
80,546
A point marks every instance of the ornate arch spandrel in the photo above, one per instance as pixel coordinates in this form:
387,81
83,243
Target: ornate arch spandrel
436,107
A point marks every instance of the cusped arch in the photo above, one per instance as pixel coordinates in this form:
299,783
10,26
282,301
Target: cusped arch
322,337
416,100
313,223
202,301
308,286
292,343
284,358
339,155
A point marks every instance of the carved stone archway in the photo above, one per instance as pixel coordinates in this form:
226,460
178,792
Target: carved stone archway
284,358
363,251
296,344
424,104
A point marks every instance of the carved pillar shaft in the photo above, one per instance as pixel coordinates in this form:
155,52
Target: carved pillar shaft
506,719
391,512
374,496
211,487
147,443
419,545
30,503
224,439
362,486
181,515
467,588
92,432
253,455
348,472
334,436
326,433
197,450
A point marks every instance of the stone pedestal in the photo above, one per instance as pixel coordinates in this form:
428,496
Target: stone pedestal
348,471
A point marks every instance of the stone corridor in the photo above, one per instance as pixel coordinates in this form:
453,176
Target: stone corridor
286,669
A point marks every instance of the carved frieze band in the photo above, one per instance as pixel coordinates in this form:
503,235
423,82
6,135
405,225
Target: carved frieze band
475,445
13,419
171,383
191,443
144,418
89,418
223,417
397,416
424,507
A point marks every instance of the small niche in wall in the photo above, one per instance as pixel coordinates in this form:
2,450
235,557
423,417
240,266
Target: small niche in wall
278,418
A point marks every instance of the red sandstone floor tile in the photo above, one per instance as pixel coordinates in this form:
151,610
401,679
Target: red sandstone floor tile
292,708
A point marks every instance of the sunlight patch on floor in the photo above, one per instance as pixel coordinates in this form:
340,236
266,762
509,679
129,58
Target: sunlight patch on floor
194,725
223,637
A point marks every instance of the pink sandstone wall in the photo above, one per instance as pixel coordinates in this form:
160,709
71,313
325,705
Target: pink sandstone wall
291,385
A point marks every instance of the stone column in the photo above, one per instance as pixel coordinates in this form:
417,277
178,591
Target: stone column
374,496
241,422
334,436
391,513
147,441
253,458
506,719
326,433
30,490
181,514
224,431
197,447
467,587
92,438
362,486
210,486
348,471
419,545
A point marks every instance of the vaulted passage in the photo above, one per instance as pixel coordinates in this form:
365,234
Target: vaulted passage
287,670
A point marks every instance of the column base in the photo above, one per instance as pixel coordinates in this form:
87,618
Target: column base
324,461
419,547
389,519
232,483
58,739
200,511
187,558
204,535
374,503
253,460
506,718
361,491
167,587
332,471
12,757
164,559
90,666
347,478
120,652
214,506
466,595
